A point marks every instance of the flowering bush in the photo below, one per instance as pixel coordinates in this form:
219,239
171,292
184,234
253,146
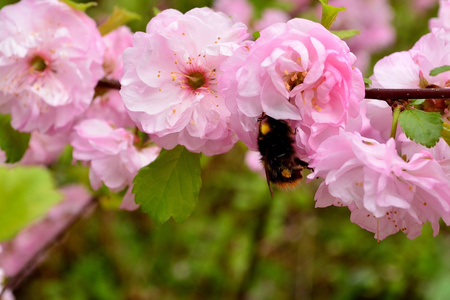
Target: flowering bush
195,83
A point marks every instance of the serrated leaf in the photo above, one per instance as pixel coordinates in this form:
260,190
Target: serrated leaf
13,142
27,193
329,13
439,70
446,133
119,17
423,127
79,6
169,186
256,35
345,34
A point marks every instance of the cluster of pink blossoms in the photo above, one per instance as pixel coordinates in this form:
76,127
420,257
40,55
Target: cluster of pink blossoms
50,72
194,79
389,184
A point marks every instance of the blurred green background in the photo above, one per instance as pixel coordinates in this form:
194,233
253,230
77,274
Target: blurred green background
239,243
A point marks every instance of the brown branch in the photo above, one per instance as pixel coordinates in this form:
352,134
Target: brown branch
371,93
396,94
109,84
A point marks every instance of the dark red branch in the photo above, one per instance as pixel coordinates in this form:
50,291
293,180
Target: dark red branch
371,93
395,94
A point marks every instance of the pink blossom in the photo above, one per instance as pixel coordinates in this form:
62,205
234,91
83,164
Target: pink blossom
298,72
271,16
110,152
385,193
169,85
412,69
253,161
238,10
51,58
44,149
116,42
110,107
443,20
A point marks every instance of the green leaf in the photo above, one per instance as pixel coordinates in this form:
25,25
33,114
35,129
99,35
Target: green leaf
27,193
79,6
329,13
156,11
423,127
417,102
256,35
367,81
169,186
119,17
439,70
13,142
345,34
446,133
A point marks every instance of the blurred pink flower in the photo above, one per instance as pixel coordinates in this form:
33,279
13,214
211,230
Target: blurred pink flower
51,58
44,149
110,153
298,72
170,82
423,5
375,29
271,16
253,161
238,10
385,193
443,20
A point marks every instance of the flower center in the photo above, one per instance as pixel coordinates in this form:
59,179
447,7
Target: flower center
37,63
195,80
293,79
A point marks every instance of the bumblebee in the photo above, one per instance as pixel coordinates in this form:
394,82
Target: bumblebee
275,143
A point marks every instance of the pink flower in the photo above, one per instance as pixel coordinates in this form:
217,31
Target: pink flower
238,10
44,149
116,42
298,72
51,58
443,20
375,29
271,16
411,69
110,107
110,153
385,193
170,83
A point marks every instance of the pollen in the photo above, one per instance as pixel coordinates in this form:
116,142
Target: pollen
286,173
265,128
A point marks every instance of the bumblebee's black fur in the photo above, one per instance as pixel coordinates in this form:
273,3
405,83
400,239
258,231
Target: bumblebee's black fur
275,143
